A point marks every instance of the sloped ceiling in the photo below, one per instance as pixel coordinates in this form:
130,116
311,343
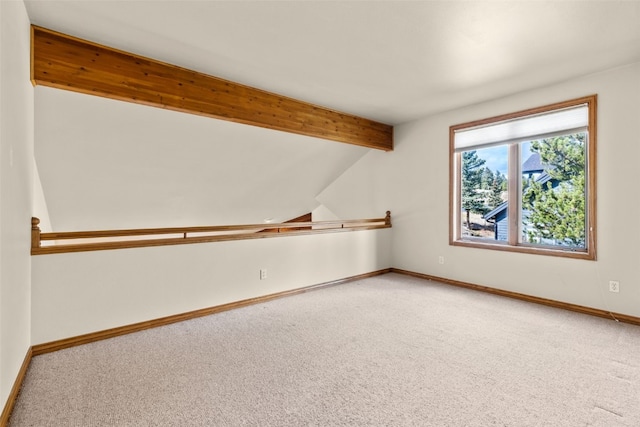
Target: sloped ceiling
390,61
107,164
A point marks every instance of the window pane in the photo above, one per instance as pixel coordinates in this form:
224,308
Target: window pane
553,191
484,193
547,156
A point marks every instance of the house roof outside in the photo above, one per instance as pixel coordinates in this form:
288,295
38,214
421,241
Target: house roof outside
533,164
496,211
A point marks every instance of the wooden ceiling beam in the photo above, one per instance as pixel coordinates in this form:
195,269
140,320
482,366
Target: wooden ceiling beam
65,62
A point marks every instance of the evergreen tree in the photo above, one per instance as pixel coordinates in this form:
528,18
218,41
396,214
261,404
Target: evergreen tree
558,214
472,200
498,185
486,178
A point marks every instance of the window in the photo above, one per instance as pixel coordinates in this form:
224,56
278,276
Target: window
525,182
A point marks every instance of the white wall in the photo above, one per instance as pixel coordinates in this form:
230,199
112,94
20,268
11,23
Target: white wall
79,293
16,188
413,181
40,208
108,164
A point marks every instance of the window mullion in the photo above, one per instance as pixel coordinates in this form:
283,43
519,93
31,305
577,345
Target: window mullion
456,177
513,194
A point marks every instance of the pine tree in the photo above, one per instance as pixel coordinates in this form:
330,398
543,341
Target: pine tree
558,214
498,185
472,200
486,178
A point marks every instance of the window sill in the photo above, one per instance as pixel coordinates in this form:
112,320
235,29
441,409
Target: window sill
505,247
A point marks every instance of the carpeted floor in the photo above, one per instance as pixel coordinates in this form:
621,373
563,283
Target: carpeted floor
385,351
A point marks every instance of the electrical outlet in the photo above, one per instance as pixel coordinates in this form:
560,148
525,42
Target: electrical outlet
440,259
263,273
614,286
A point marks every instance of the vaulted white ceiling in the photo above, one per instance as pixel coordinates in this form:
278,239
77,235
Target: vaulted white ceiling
390,61
109,164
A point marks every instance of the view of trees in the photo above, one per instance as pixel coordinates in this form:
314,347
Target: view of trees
481,187
558,214
553,208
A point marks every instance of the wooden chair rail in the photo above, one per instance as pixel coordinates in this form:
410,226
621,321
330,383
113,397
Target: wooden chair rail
143,237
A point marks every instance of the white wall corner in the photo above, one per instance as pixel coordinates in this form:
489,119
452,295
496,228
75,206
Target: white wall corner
16,190
40,209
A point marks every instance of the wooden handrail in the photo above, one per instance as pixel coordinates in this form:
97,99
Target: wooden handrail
181,235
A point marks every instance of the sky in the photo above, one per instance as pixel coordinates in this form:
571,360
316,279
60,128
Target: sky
497,157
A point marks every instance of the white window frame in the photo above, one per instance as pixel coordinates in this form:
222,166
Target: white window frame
511,129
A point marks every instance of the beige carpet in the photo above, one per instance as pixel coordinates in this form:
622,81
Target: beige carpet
386,351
